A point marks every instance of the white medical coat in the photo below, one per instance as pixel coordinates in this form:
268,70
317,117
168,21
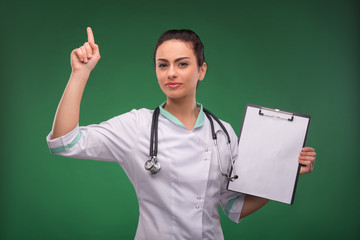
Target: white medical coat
181,201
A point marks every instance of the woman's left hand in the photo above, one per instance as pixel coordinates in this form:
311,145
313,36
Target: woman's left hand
307,159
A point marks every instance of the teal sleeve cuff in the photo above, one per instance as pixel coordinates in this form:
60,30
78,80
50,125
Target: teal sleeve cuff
233,208
64,143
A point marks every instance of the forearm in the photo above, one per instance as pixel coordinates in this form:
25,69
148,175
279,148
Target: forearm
67,114
252,204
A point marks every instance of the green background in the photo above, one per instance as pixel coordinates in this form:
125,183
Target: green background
301,56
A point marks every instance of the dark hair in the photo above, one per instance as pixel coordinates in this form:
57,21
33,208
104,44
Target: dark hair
185,35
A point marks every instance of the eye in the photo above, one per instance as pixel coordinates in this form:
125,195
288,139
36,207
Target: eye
183,64
162,65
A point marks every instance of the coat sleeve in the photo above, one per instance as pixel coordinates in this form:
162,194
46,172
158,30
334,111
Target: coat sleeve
111,140
231,202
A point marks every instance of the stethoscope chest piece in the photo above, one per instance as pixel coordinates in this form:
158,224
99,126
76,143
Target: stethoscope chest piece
152,166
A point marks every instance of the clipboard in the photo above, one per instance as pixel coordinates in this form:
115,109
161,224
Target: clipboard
270,141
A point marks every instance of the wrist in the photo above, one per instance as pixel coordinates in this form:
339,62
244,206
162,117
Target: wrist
80,76
80,73
78,80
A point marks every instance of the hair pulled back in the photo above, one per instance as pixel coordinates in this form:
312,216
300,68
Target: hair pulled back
187,36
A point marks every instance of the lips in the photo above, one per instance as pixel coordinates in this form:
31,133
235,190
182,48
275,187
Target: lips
173,84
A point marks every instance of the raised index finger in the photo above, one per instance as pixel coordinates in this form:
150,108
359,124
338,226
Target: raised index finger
90,35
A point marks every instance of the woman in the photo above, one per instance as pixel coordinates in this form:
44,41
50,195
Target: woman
181,200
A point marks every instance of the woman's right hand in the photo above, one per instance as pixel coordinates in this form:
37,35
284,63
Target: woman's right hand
85,58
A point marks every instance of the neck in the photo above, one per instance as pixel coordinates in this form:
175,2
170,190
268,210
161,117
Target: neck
184,110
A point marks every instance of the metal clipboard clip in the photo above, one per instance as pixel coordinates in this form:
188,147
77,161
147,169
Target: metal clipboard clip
276,111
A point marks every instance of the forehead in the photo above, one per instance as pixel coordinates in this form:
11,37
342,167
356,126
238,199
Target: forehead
175,49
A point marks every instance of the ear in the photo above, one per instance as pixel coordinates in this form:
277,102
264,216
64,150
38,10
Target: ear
202,71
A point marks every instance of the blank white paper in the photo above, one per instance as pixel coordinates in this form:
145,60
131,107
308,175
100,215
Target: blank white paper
269,147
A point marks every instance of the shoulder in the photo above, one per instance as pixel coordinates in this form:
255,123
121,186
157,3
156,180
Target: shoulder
227,126
134,119
140,115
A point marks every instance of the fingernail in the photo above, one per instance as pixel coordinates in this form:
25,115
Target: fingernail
85,60
89,54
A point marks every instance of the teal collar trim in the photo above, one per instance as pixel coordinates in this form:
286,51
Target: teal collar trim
199,121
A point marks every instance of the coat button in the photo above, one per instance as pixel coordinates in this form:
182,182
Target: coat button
198,197
197,207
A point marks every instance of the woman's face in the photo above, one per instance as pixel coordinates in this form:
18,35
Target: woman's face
177,70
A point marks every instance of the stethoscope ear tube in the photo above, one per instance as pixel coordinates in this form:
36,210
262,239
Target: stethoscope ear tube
154,133
232,166
152,165
219,122
228,176
211,116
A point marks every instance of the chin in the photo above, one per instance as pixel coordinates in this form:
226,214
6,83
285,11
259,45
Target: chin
176,94
172,94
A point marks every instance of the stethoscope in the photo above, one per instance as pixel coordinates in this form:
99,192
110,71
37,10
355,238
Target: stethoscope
153,166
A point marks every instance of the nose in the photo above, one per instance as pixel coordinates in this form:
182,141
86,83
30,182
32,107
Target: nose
172,73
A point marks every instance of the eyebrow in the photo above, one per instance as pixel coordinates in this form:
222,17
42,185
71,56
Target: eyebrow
176,60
